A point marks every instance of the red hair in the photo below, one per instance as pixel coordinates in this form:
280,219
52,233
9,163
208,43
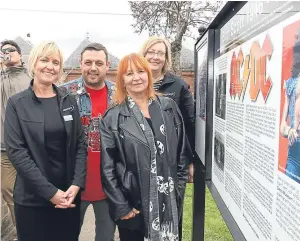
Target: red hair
140,63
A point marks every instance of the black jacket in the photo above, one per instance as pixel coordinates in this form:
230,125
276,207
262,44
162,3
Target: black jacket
176,88
125,157
24,140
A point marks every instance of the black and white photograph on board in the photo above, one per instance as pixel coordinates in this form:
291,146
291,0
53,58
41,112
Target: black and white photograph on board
221,96
219,150
202,84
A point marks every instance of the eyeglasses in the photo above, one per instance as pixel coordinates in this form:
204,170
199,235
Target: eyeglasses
8,50
159,54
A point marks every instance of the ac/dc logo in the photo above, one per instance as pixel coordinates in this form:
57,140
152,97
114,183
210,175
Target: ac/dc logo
253,66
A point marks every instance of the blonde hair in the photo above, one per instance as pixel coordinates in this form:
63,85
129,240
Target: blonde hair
43,49
155,40
141,63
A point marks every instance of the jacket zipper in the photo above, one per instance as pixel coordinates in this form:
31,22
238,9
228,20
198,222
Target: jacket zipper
137,139
68,138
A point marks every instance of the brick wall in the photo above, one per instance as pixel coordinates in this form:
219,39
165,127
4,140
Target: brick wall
188,76
76,73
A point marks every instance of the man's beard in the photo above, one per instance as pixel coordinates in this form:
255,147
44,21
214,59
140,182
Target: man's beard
94,84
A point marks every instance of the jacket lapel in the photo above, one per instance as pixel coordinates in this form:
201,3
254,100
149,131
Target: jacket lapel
68,120
67,113
131,126
66,110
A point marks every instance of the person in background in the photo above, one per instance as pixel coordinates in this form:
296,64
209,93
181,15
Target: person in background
291,112
157,51
13,78
94,94
144,156
45,143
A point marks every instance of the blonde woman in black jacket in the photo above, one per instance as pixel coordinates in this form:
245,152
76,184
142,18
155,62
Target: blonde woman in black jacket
157,51
45,143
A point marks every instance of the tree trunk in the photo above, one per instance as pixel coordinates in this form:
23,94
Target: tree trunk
176,45
176,51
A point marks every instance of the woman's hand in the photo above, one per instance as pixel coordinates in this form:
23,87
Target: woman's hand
131,214
69,197
58,197
191,173
292,136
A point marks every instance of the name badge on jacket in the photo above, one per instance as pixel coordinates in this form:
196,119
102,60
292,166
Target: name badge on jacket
68,117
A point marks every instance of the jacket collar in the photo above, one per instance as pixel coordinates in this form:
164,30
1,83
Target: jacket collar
57,90
124,109
132,126
168,78
165,105
15,69
82,90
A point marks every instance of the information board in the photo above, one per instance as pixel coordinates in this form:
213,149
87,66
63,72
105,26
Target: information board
200,96
256,126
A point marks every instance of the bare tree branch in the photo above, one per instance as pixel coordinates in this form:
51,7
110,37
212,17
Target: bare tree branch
172,19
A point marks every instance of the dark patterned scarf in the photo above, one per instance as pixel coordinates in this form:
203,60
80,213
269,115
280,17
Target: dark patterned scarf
163,213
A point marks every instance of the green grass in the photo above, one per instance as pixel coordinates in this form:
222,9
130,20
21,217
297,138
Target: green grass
215,227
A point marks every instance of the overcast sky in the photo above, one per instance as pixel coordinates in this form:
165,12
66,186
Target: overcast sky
68,30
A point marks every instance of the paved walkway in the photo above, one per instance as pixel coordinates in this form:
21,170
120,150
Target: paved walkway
88,228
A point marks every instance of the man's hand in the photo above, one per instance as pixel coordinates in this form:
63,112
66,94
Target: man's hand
1,57
191,173
69,197
292,136
131,214
2,62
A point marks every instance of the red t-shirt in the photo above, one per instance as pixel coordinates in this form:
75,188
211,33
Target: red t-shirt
93,187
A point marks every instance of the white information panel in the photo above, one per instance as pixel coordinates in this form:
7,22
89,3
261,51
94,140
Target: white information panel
256,132
200,96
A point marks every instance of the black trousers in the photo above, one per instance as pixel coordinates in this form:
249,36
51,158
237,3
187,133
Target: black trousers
47,223
180,229
180,219
130,235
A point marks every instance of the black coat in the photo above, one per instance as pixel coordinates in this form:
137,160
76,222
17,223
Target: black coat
176,88
125,158
25,146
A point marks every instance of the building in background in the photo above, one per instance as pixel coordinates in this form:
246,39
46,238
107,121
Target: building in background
25,46
72,65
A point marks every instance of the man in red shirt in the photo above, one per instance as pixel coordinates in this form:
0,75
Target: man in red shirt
94,94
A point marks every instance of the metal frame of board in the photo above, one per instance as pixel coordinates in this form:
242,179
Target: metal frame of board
202,177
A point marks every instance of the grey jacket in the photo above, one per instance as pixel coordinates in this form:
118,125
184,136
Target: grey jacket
13,80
